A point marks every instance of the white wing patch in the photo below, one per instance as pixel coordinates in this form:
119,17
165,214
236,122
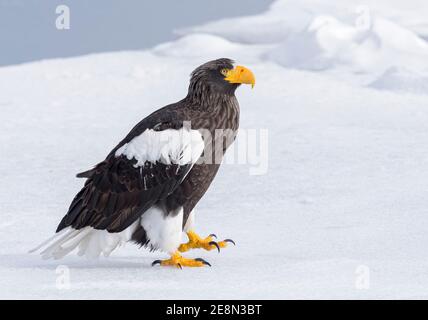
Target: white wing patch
170,146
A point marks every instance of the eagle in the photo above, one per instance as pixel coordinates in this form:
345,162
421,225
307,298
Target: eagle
146,189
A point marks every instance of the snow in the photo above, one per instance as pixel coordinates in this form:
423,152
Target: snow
358,41
402,79
344,196
327,43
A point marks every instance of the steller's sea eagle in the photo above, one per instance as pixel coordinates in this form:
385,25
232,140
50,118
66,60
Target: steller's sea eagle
147,187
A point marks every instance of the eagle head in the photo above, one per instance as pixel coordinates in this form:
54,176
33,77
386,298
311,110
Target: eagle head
219,77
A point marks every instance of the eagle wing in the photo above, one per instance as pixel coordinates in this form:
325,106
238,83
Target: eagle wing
144,168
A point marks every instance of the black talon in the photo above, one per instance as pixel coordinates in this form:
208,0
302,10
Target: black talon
230,240
156,262
203,261
213,235
213,243
179,265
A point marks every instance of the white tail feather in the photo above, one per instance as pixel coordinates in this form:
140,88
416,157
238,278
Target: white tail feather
90,242
55,236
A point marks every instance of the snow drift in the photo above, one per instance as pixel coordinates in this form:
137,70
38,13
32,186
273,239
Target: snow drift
357,42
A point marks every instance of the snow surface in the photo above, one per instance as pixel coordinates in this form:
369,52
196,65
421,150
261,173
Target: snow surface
346,186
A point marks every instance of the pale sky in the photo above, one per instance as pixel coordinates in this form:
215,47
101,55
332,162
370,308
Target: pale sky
28,31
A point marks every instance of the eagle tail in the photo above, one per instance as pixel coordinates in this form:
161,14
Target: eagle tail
90,242
61,243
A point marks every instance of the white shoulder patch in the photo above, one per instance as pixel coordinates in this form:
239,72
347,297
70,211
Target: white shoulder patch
170,146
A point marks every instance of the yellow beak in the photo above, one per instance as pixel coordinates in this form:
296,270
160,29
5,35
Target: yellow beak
241,74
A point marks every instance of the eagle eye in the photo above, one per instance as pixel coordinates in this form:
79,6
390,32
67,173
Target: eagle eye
224,71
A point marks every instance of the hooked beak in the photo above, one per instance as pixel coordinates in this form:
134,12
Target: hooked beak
241,74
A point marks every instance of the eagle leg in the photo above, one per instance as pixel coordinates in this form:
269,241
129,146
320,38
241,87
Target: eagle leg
208,243
178,261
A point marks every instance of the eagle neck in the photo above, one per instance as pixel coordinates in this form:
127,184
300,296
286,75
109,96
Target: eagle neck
223,114
203,97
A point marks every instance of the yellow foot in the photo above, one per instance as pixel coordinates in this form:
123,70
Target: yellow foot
208,243
177,260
